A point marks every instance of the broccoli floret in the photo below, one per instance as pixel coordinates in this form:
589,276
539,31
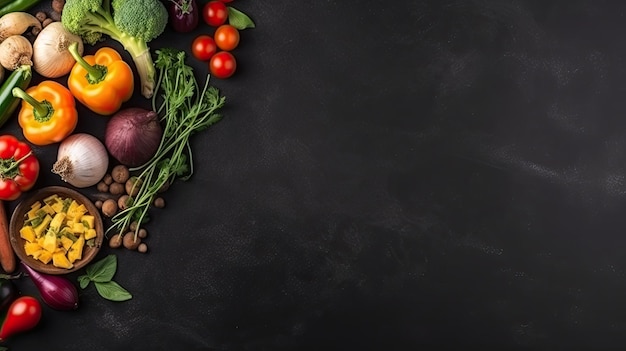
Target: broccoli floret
133,23
130,15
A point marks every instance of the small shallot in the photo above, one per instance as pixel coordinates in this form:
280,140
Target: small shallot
56,291
82,160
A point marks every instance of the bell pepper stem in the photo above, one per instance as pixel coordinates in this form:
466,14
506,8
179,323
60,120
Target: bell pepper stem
39,108
95,73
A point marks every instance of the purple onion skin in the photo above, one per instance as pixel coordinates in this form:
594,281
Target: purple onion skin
56,291
133,135
184,15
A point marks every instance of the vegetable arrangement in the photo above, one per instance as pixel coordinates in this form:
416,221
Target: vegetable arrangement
150,146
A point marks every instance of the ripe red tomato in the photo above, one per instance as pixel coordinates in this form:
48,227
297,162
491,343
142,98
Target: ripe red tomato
23,314
226,37
215,13
19,168
223,64
203,47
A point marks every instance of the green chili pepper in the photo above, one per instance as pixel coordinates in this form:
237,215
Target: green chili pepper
16,5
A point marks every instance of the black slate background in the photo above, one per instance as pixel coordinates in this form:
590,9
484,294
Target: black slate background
388,176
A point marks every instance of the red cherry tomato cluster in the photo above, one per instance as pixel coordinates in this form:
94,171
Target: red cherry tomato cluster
217,49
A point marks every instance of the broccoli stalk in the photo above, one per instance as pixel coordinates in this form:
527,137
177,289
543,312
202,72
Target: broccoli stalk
133,23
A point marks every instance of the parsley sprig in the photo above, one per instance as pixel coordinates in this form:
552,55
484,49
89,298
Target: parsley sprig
184,108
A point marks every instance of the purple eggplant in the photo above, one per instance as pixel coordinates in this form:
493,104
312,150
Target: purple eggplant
184,15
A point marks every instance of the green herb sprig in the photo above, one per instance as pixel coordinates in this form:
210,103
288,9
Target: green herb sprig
184,108
101,273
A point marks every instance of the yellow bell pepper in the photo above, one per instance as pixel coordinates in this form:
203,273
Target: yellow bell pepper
48,113
101,82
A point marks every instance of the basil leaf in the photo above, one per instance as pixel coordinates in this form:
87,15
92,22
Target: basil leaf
112,291
239,19
103,270
84,281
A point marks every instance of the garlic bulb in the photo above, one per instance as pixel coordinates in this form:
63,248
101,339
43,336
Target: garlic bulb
51,57
82,160
15,51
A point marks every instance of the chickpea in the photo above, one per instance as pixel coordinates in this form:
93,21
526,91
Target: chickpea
129,241
143,248
115,241
107,179
102,187
123,202
159,202
131,188
109,208
116,188
120,173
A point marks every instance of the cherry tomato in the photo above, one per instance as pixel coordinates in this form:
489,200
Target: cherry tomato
215,13
223,64
203,47
23,314
226,37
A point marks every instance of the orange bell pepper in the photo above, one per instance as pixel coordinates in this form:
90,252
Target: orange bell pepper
101,82
48,113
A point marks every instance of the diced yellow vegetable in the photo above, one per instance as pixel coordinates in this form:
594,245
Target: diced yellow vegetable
63,227
51,199
45,256
43,225
57,207
33,210
28,233
59,260
66,242
49,210
88,221
57,221
78,228
90,233
76,251
50,241
31,248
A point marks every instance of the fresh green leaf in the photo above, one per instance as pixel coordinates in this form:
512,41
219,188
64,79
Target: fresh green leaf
112,291
83,281
239,19
103,270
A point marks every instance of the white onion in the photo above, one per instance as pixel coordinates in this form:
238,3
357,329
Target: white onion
82,160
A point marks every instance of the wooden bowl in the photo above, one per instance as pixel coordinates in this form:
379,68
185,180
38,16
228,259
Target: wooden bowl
17,222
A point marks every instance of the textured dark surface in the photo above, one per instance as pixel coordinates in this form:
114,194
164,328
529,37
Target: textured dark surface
388,176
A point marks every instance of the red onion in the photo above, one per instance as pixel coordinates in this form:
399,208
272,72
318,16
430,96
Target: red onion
184,15
133,135
56,291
